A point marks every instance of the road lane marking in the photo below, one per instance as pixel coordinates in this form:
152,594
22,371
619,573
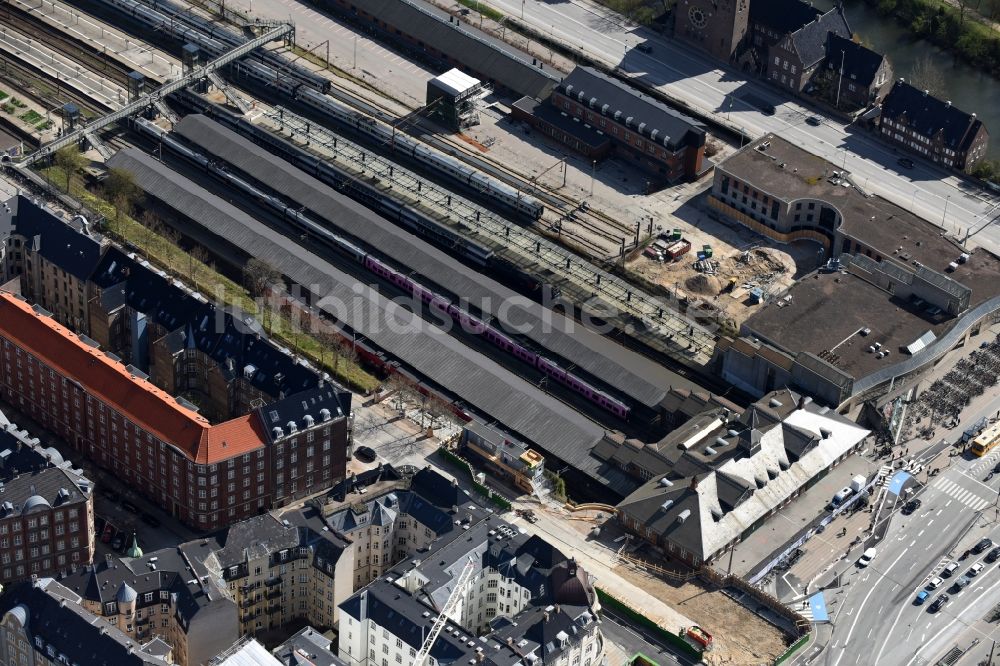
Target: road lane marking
864,601
929,523
920,533
924,644
947,505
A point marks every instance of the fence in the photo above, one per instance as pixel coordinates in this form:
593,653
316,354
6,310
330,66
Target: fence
667,636
765,599
808,534
496,499
793,648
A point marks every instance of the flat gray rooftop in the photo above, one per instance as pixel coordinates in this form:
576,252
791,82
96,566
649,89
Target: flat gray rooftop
786,171
486,386
639,378
827,310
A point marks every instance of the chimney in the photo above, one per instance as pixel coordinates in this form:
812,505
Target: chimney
545,616
510,641
694,483
802,402
926,93
557,609
947,104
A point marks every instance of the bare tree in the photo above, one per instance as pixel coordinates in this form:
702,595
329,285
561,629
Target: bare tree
401,388
928,75
345,350
258,275
327,344
197,254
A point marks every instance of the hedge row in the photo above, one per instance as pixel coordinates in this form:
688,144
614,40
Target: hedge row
493,497
667,636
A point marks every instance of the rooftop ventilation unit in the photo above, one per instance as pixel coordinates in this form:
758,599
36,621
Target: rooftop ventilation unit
709,451
825,433
683,515
721,442
665,482
774,402
666,505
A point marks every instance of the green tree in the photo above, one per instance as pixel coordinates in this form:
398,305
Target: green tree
120,184
70,161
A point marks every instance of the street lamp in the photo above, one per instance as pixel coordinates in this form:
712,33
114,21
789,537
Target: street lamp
945,213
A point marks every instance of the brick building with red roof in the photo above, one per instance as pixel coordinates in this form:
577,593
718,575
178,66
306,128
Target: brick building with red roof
206,475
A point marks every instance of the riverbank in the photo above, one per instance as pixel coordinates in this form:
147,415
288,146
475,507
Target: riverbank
942,24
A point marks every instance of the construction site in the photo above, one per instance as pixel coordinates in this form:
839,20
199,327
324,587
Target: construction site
729,269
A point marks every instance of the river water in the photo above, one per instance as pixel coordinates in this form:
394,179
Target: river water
968,89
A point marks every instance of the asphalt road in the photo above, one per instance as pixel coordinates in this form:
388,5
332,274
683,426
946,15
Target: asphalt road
684,73
875,619
349,50
634,640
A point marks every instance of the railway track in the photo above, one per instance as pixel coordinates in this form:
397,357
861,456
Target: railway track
97,62
43,89
566,219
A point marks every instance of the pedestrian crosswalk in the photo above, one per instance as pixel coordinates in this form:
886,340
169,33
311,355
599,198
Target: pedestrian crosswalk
963,495
986,463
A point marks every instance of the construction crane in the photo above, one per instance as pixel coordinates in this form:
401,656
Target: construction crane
442,618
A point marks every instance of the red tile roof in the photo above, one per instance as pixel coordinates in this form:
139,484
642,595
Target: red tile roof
143,403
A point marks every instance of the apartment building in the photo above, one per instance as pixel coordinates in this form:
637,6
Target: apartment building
50,258
933,128
216,358
206,475
45,625
281,568
515,598
46,509
163,596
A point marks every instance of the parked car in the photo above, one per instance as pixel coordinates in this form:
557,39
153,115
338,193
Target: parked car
922,596
117,543
150,519
815,121
983,544
993,555
961,583
365,454
911,506
996,468
840,497
645,48
934,583
867,558
949,569
108,533
131,508
938,603
905,162
107,492
975,569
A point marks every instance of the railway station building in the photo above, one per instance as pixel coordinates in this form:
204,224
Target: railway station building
893,296
730,473
594,114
